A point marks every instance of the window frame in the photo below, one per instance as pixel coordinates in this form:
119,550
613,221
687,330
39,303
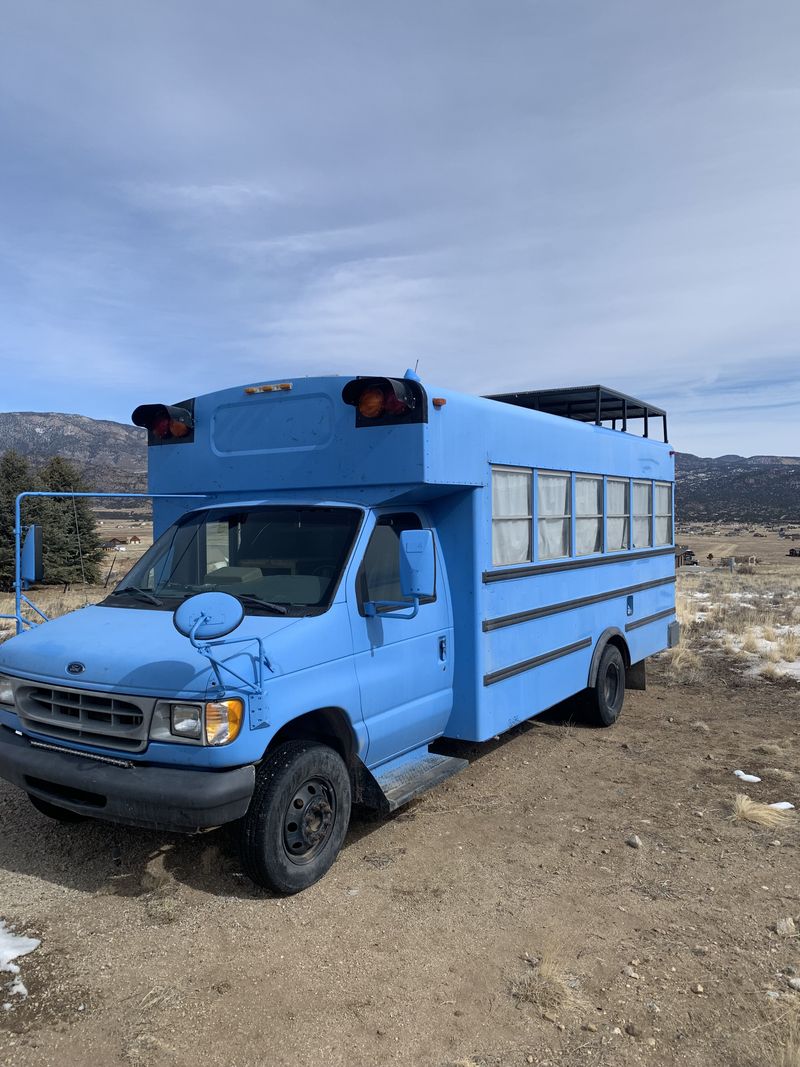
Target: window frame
636,515
669,515
619,515
360,579
529,518
599,515
568,517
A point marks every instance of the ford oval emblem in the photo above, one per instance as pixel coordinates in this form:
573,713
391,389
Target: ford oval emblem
75,668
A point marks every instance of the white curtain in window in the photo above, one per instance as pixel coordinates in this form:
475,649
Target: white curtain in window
588,496
642,510
511,541
641,498
617,497
617,533
511,493
588,536
553,538
663,529
553,497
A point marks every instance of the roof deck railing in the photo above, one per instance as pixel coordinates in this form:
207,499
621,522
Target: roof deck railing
588,403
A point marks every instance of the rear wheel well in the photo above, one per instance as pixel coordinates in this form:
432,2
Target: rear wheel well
329,726
614,637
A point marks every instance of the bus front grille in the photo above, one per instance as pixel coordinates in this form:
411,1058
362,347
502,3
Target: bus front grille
91,718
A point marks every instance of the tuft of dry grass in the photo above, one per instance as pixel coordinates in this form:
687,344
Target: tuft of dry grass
769,633
790,1053
749,642
769,748
544,984
685,665
776,772
747,810
790,647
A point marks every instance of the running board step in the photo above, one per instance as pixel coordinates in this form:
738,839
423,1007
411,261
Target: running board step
413,774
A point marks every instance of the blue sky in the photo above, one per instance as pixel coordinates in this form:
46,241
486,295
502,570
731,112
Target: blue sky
516,194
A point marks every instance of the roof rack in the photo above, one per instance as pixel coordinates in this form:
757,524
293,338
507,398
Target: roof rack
588,403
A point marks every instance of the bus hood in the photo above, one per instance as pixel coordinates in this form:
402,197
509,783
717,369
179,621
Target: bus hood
128,650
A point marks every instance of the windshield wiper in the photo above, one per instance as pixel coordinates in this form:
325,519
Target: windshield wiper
257,602
141,594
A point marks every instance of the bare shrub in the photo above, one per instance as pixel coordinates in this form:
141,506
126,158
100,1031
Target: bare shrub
685,665
750,642
769,748
790,647
544,984
747,810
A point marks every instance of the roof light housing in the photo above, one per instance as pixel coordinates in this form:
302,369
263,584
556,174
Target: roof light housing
165,423
386,401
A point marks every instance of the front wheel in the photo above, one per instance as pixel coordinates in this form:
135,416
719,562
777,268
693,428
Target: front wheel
606,696
298,817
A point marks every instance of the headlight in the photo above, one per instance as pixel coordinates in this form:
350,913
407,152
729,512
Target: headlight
186,720
223,721
6,691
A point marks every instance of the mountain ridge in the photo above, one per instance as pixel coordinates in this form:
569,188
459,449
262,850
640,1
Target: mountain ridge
111,456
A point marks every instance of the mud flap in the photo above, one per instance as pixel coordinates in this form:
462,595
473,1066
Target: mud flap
636,675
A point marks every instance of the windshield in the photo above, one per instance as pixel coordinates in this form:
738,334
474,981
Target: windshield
284,560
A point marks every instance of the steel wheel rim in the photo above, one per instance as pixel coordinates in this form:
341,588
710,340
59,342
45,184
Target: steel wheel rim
611,686
309,819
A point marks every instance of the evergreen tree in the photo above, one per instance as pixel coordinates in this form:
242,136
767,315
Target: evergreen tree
16,477
71,547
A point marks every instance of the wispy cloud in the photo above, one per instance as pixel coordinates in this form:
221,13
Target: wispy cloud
532,195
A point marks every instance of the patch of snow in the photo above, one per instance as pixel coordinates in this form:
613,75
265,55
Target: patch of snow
746,777
11,948
781,805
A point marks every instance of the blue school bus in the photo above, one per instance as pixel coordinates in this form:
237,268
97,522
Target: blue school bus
345,571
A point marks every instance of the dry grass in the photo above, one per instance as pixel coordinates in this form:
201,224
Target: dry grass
769,748
747,810
790,647
544,984
703,727
776,772
790,1053
684,664
749,642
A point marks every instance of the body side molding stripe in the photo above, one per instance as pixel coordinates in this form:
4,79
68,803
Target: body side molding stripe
573,564
648,619
569,605
537,661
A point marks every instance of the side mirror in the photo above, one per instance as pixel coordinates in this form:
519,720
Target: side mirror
208,616
31,569
417,563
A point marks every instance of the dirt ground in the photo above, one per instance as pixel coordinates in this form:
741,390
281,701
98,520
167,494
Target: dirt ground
501,919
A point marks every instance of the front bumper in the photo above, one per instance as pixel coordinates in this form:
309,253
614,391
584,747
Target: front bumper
159,798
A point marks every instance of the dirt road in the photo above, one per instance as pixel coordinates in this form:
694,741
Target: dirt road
156,950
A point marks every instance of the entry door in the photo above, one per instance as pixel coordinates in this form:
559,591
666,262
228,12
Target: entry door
404,666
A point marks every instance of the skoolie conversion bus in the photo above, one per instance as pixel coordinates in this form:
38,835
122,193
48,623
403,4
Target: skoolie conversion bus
345,571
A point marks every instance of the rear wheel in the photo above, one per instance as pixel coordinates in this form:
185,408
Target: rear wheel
606,696
298,817
52,811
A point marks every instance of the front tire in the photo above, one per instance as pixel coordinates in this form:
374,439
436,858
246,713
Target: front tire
605,698
298,817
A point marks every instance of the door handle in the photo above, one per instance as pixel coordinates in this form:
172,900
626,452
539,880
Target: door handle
442,649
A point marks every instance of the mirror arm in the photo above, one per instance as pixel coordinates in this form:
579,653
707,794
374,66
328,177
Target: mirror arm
204,648
371,608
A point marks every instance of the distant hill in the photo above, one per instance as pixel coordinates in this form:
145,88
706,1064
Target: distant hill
114,456
738,489
111,456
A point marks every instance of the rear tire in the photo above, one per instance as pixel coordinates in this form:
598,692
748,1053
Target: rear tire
298,817
52,811
605,698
